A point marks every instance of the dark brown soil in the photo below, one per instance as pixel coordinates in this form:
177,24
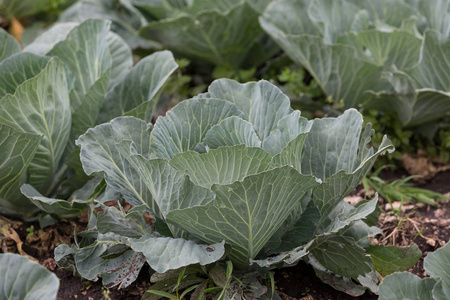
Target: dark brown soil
298,282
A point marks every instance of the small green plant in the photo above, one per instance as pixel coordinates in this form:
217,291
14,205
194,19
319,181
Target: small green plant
106,293
30,231
400,189
176,288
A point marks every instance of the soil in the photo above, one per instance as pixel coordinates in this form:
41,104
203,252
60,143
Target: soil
425,225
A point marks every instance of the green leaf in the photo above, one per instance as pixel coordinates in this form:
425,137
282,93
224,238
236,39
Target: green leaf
288,128
262,103
344,214
339,157
343,284
169,189
140,87
361,232
25,279
436,13
337,68
413,106
404,285
126,19
291,155
432,70
165,253
9,45
289,257
390,259
230,132
221,166
17,150
62,208
99,155
341,256
162,294
130,225
18,69
86,54
118,271
246,213
43,99
220,38
45,42
397,48
333,18
121,59
437,264
332,145
185,125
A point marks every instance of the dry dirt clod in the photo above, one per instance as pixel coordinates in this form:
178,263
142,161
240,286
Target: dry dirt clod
422,165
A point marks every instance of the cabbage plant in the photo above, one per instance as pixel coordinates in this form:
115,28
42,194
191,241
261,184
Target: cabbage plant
388,55
69,79
219,33
233,173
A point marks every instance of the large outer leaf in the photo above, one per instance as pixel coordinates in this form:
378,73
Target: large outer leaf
100,155
219,38
185,125
19,68
337,68
41,105
246,213
333,18
9,46
335,153
437,14
61,208
167,253
121,59
49,38
390,259
125,18
85,52
131,224
341,256
169,189
404,285
262,103
413,106
221,166
332,145
396,48
343,284
437,264
17,149
136,95
120,52
93,261
433,68
25,280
